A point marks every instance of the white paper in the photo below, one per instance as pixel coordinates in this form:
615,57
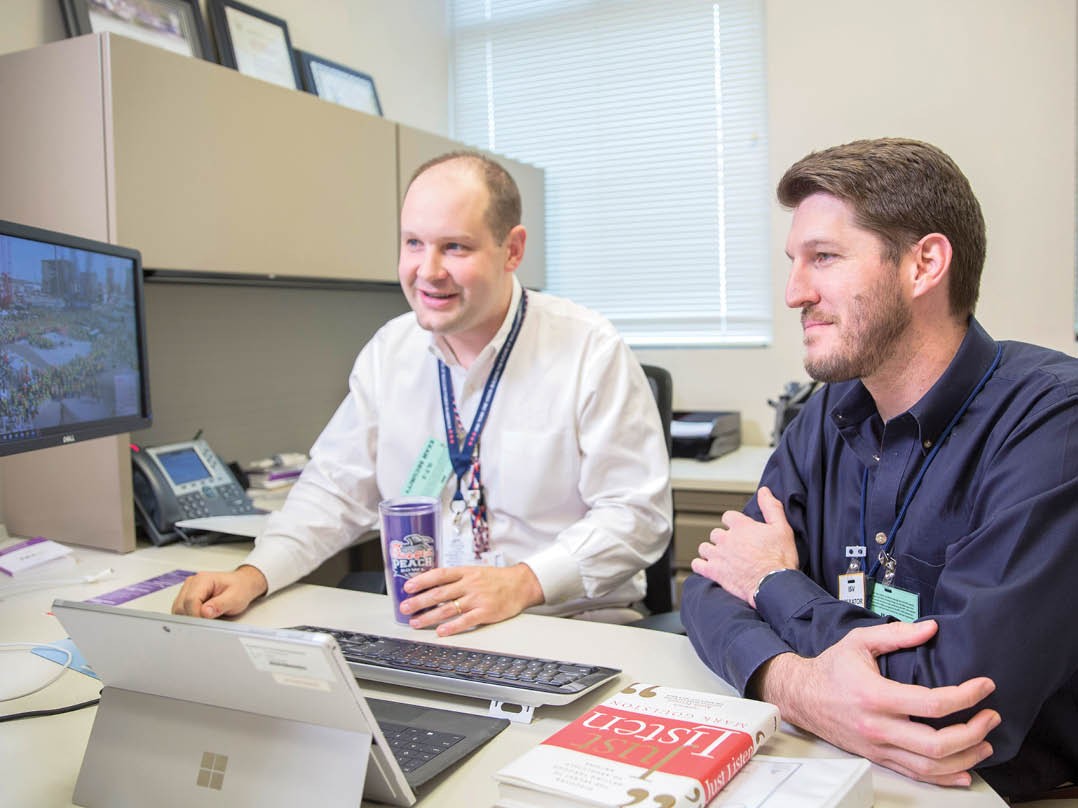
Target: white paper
690,429
799,783
247,524
28,554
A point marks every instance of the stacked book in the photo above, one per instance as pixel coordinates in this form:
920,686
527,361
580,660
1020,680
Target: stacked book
275,472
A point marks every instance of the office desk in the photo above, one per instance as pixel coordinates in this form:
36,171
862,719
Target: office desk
704,489
40,757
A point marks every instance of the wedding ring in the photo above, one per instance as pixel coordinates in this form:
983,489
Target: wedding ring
457,604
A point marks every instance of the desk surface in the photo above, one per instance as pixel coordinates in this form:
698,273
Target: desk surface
736,473
40,757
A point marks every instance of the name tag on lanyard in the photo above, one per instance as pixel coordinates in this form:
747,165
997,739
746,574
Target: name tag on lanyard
431,471
851,588
890,601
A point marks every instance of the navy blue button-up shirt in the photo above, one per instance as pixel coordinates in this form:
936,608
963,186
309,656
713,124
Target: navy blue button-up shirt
989,544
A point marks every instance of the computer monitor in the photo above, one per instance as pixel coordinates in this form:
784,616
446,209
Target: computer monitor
72,340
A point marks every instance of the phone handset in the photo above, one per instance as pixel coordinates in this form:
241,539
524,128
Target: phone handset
156,507
180,481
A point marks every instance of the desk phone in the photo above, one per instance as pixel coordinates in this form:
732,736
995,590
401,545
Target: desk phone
182,481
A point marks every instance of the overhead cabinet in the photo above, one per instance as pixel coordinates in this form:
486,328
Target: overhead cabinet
204,169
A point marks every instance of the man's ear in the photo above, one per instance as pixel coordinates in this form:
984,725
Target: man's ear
514,243
932,263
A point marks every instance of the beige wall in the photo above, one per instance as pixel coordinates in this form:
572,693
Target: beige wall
992,82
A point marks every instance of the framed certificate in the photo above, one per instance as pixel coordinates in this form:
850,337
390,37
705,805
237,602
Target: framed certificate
174,25
253,42
338,83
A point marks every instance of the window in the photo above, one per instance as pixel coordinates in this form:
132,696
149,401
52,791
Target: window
650,121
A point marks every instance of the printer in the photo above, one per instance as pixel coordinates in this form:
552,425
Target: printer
705,435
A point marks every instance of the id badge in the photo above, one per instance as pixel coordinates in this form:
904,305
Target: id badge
457,548
430,472
890,601
492,558
851,588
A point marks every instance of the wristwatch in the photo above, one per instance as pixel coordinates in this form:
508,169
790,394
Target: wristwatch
764,580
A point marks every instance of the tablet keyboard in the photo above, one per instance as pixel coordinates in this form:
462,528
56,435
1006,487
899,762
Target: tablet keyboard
466,671
413,747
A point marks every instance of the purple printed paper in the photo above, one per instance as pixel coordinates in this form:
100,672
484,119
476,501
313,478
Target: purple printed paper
150,585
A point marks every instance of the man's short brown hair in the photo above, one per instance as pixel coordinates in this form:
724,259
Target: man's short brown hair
503,207
901,190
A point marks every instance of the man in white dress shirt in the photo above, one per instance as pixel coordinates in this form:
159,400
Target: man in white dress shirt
569,479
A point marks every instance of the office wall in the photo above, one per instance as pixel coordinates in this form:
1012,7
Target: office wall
992,82
402,44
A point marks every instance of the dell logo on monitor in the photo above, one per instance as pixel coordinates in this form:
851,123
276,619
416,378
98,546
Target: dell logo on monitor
67,439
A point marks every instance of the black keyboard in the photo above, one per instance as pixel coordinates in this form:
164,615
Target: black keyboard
412,747
465,671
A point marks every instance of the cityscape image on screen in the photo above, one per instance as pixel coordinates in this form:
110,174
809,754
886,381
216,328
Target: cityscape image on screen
72,362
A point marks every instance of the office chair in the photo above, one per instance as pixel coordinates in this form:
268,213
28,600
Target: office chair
659,598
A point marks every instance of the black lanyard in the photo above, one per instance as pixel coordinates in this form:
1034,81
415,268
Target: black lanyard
461,448
885,556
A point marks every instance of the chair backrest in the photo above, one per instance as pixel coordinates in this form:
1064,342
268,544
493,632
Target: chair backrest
660,594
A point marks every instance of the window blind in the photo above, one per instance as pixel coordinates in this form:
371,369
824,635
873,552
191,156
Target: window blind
649,118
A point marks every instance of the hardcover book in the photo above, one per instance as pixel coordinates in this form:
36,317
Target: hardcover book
646,745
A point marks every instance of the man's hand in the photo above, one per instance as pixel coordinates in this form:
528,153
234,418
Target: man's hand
842,697
464,597
212,594
737,557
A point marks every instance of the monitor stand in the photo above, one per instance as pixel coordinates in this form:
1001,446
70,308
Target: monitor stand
77,494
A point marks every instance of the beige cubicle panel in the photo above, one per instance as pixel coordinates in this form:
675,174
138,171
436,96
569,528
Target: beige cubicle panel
415,147
54,177
216,171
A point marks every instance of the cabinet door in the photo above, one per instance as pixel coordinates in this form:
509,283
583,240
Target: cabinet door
220,172
415,147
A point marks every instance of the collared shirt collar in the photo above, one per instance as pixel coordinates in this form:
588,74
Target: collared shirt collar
935,409
441,350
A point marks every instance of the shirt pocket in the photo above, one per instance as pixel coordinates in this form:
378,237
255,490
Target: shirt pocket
918,575
537,476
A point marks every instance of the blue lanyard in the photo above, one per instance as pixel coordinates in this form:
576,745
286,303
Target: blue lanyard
462,449
885,550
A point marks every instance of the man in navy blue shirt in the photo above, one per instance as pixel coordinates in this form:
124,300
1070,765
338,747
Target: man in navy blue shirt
911,551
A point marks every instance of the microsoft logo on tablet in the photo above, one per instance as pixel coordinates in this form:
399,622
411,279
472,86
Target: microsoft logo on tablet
211,773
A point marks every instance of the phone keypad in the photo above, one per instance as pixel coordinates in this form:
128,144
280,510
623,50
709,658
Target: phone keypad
228,498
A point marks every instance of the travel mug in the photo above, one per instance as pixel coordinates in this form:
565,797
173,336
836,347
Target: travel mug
410,527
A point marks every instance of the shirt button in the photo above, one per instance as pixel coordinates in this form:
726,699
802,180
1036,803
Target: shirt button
881,538
927,444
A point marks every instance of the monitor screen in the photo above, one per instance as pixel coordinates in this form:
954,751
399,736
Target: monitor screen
72,340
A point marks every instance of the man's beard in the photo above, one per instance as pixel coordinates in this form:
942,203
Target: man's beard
869,337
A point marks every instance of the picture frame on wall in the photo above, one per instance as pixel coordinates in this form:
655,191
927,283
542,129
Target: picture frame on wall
175,25
338,83
253,42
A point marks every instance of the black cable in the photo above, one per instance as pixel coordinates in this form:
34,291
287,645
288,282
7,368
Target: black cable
54,711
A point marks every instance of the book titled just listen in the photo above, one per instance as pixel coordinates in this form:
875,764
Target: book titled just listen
646,745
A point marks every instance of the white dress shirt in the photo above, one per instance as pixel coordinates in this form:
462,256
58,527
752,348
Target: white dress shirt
573,457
